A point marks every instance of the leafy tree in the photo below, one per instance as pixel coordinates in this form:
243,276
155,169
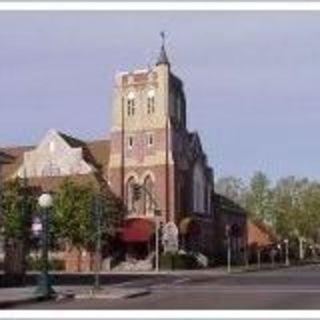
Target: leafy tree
233,188
17,207
73,207
291,206
285,205
308,216
297,203
259,200
75,219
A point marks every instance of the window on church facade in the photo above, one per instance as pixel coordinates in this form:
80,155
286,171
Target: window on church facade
130,198
130,142
151,102
150,140
131,105
148,204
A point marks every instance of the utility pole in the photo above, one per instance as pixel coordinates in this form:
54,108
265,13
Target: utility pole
259,258
227,232
157,244
286,242
97,209
1,213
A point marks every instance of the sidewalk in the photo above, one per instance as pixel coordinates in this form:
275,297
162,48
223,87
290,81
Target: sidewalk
10,297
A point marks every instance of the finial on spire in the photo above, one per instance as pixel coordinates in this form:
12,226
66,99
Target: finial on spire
163,58
163,37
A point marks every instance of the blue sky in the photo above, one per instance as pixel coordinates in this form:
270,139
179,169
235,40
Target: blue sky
251,79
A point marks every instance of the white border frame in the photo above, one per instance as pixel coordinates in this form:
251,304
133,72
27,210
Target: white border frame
160,6
161,314
157,5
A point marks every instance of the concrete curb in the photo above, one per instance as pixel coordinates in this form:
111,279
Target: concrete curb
112,296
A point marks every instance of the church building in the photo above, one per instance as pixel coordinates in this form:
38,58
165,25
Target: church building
149,146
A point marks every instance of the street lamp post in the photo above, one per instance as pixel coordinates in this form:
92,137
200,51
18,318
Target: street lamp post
286,242
301,249
98,243
280,252
37,231
157,214
44,288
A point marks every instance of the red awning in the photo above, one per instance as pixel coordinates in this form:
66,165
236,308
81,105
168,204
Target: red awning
137,230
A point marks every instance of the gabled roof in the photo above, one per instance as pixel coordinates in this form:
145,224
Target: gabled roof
260,235
72,141
264,228
94,152
97,153
227,205
195,141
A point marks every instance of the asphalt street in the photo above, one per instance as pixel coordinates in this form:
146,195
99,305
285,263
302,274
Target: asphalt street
292,288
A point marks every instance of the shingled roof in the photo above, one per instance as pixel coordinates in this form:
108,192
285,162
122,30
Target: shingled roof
15,154
5,158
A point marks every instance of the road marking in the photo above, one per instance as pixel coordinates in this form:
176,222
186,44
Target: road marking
172,284
183,280
126,283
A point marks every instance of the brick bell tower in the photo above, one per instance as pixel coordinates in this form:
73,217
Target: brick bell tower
148,113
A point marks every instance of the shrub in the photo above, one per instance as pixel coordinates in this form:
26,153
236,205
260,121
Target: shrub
178,261
35,264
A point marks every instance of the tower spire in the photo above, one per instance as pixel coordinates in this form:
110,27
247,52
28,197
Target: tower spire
163,58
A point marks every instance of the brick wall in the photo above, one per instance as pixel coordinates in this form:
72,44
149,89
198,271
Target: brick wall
76,261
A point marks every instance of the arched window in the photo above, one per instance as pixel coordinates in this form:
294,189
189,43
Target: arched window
131,104
149,191
151,102
130,199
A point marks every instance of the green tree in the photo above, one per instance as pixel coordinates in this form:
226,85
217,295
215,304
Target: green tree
18,203
297,202
259,199
75,215
308,215
73,219
233,188
285,206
